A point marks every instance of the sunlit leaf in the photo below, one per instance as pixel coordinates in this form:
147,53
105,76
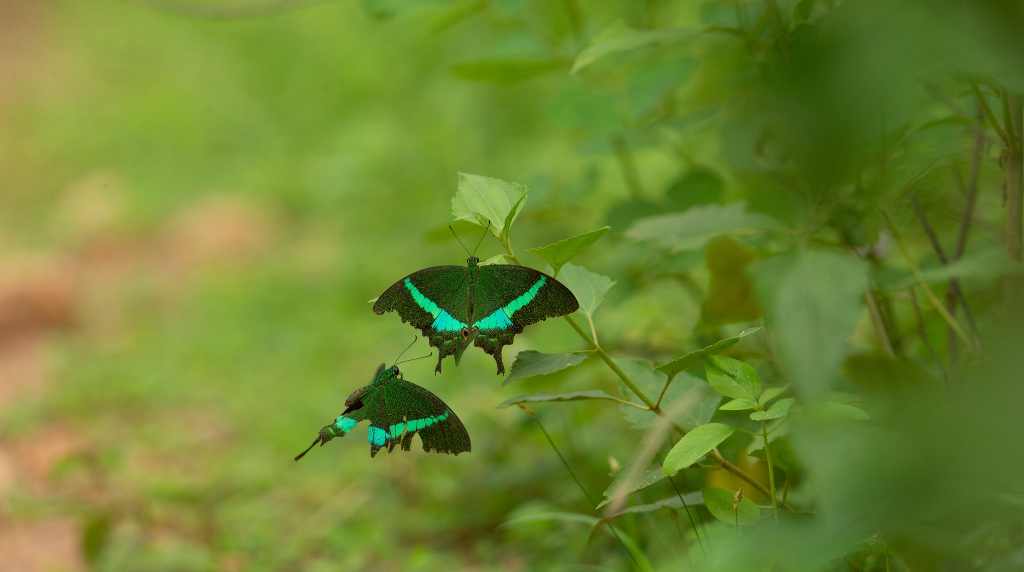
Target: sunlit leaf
497,259
562,251
692,228
589,287
733,378
620,38
488,202
647,478
720,503
531,363
570,396
696,357
694,445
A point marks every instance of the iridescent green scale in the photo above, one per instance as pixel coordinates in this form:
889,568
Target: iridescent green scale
397,410
455,306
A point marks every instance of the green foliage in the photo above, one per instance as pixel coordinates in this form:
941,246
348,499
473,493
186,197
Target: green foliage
488,202
558,253
694,445
832,176
531,363
696,226
733,378
589,287
723,505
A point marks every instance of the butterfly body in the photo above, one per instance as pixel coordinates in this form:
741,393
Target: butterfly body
456,306
397,410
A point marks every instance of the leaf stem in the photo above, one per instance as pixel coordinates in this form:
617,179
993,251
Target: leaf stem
771,467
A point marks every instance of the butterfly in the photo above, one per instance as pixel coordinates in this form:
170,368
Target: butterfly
455,306
397,410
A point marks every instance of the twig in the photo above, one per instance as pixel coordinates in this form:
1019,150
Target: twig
987,111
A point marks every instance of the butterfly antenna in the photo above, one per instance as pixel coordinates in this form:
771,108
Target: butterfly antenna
487,230
412,343
459,240
311,445
415,358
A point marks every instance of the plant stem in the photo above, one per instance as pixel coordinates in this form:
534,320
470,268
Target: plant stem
652,406
878,323
771,467
686,507
1014,189
579,484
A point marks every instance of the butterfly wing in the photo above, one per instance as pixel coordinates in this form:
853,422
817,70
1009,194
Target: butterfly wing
508,298
435,301
402,409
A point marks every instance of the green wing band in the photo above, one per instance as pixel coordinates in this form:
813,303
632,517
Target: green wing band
443,321
501,319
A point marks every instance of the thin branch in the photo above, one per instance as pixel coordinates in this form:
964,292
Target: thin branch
932,298
971,186
878,323
955,292
987,111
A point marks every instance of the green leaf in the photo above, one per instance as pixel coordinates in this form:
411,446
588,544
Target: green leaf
508,70
531,363
558,253
485,201
571,517
695,357
720,504
691,229
739,405
813,300
620,38
697,186
835,411
649,477
771,393
778,410
570,396
694,445
589,287
733,378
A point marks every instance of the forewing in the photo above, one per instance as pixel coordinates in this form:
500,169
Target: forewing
523,295
509,298
434,300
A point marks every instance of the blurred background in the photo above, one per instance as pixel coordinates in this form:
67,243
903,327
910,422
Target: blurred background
199,198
